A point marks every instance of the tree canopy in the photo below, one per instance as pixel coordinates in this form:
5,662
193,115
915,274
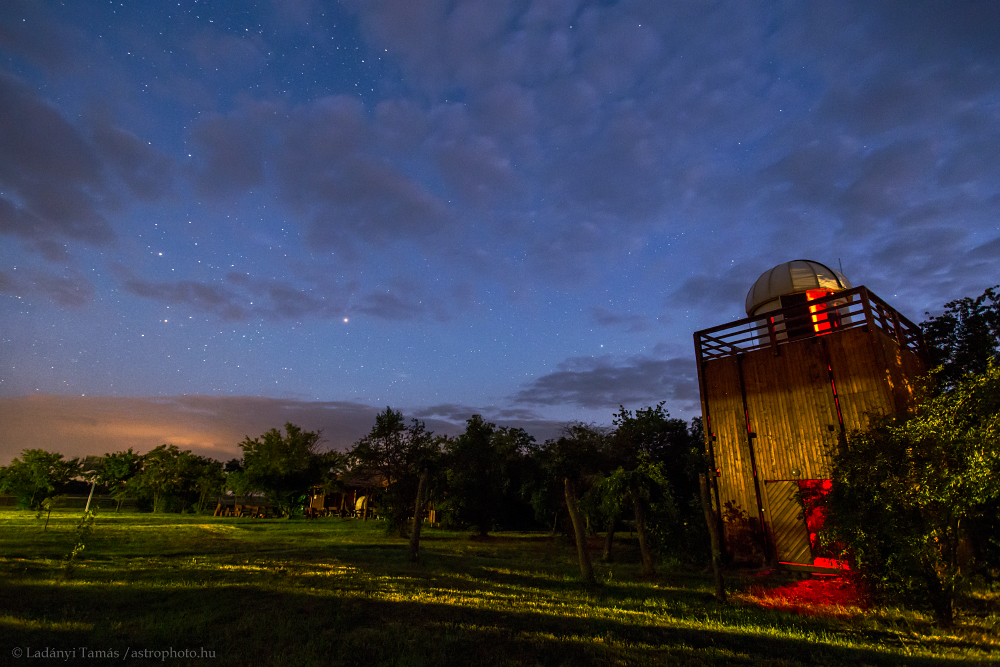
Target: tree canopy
965,337
485,471
398,453
284,467
37,475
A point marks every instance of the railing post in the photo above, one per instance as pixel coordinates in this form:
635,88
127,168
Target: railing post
900,338
867,304
772,336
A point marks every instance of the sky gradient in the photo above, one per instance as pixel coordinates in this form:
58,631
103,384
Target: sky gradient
218,216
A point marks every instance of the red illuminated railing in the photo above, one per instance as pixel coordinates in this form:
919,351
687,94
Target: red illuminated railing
824,316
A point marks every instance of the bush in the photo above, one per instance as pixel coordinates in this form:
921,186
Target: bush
906,491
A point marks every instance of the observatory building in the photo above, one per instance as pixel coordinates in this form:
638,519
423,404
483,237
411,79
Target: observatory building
811,361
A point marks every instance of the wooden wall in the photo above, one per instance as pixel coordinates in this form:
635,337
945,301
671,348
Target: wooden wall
791,409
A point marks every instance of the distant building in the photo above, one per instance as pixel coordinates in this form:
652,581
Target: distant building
812,360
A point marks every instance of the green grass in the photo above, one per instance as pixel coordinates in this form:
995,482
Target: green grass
334,592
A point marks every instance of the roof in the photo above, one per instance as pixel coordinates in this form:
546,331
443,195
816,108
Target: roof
796,276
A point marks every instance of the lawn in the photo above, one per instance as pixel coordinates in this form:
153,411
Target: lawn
338,592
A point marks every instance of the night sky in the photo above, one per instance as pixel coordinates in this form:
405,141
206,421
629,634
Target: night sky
219,216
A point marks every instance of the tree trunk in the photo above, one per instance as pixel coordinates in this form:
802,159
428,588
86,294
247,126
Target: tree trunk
609,539
941,595
418,511
640,528
714,538
555,523
586,569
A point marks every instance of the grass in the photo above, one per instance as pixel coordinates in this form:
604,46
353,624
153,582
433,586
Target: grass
332,592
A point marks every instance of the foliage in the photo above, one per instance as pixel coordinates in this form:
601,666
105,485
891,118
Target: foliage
83,532
284,467
648,482
398,454
485,469
115,472
906,491
661,457
965,337
37,475
581,454
743,535
172,479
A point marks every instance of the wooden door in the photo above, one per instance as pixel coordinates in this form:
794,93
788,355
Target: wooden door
787,521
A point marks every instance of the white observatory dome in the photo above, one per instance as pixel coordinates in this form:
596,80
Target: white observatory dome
795,277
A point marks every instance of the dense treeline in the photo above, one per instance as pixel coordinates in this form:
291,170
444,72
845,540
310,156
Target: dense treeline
489,478
165,479
644,470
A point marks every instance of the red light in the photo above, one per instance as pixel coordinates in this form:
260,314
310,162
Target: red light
820,319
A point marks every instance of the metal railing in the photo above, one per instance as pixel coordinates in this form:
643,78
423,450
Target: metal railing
850,309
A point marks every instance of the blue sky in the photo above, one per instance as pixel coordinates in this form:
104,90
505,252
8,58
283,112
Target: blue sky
522,209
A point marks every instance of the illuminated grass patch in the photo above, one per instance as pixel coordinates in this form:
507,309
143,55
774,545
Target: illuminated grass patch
339,592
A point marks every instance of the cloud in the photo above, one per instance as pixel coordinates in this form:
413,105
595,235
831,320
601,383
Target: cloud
234,55
241,297
607,318
27,29
206,298
148,173
529,420
208,425
69,289
231,152
51,177
603,382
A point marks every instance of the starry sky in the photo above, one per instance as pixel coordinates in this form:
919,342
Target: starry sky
216,217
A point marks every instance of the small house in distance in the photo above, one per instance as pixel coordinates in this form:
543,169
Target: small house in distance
811,361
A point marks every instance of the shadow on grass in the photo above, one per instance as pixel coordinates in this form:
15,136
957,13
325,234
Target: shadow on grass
261,624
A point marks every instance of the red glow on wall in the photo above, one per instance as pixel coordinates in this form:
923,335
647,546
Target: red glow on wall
813,492
822,323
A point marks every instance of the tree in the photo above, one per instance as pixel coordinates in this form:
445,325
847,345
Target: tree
115,472
284,467
907,491
209,479
398,453
484,474
36,476
160,477
571,464
473,473
654,454
965,337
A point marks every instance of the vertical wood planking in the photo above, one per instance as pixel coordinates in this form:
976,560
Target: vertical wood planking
725,406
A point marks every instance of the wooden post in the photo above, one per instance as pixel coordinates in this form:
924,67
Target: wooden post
609,539
418,511
92,485
640,528
586,569
867,304
714,537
